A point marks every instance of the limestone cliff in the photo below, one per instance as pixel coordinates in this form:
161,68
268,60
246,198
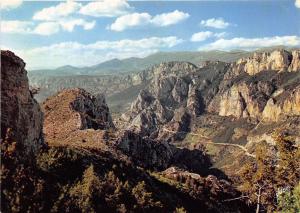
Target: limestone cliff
278,60
287,103
21,117
175,93
295,64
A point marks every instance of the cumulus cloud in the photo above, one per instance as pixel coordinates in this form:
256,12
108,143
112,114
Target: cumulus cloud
70,24
166,19
16,26
106,8
252,43
217,23
69,52
297,3
144,19
202,36
61,10
10,4
44,28
130,20
26,27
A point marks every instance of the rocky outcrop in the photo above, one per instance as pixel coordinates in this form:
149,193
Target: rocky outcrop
260,87
243,100
278,60
177,91
295,64
287,103
72,110
21,117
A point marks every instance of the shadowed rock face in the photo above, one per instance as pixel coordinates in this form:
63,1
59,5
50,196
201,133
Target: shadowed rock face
73,110
21,117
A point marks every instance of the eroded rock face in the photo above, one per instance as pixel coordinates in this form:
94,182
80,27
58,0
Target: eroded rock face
262,87
177,91
295,64
278,60
243,100
72,110
21,116
287,103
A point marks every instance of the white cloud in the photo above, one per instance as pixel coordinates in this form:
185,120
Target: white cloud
218,23
130,20
128,44
166,19
144,19
56,12
16,26
106,8
202,36
69,52
252,43
10,4
297,3
44,28
47,28
220,35
69,25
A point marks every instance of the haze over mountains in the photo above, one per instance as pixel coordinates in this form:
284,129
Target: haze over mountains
133,64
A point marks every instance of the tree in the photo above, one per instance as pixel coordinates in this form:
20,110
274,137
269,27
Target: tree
143,197
288,161
274,169
289,202
84,192
258,179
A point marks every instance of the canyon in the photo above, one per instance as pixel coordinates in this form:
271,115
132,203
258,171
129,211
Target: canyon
183,134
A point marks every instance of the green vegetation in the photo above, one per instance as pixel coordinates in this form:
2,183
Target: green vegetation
272,172
289,201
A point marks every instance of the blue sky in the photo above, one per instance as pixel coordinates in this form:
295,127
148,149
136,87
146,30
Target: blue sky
49,34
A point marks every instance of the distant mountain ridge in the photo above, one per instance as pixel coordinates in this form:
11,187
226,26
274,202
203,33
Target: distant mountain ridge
134,64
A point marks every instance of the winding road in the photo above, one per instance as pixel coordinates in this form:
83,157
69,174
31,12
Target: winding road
212,143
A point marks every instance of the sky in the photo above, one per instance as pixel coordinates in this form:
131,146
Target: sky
49,34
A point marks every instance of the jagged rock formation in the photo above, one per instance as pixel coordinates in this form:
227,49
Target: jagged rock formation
287,103
21,117
278,60
241,102
174,94
295,64
248,88
72,110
